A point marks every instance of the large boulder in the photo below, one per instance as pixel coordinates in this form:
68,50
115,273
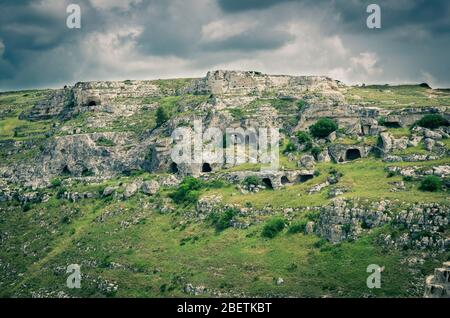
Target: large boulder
150,187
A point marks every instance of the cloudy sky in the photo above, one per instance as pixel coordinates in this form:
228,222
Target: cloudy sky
148,39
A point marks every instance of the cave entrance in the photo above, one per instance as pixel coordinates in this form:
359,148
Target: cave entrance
352,154
65,171
392,124
92,103
173,167
304,177
284,180
268,183
206,167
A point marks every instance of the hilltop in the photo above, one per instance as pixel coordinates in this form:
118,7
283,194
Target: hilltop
86,177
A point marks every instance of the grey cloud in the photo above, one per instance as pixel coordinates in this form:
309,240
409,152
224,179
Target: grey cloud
40,51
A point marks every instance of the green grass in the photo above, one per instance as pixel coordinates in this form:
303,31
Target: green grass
365,179
158,252
393,97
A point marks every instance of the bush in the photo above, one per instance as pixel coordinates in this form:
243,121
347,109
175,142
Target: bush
55,182
273,227
432,121
290,147
303,137
251,180
323,127
316,152
105,142
222,221
188,191
431,184
161,116
297,227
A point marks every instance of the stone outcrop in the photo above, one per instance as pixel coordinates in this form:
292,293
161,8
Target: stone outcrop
438,285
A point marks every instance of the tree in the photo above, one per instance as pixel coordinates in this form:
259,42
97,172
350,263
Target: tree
430,184
432,121
161,116
323,127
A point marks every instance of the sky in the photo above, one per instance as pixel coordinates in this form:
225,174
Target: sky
151,39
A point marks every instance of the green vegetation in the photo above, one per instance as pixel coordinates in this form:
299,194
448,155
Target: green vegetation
432,121
105,142
431,184
394,97
273,227
297,227
323,127
222,220
304,138
289,147
251,180
188,191
162,116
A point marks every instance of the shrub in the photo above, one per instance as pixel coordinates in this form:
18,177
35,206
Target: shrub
188,191
303,137
323,127
301,104
290,147
431,184
251,180
316,152
161,116
432,121
55,182
297,227
273,227
105,142
222,221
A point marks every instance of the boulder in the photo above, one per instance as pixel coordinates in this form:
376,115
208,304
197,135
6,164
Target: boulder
108,191
150,187
429,144
130,190
307,161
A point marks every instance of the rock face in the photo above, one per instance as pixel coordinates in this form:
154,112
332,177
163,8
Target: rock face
93,139
343,153
423,223
438,285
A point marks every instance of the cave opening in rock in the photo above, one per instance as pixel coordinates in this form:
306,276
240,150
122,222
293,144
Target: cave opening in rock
267,182
92,103
173,167
206,167
284,180
65,171
393,124
305,177
352,154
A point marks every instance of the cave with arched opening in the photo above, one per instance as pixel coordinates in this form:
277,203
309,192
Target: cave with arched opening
284,180
65,171
304,177
392,124
352,154
268,183
173,167
206,167
92,103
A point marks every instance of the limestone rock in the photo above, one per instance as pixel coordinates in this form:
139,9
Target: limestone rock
438,285
150,187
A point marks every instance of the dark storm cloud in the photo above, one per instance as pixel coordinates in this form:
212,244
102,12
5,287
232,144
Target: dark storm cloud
243,5
152,38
